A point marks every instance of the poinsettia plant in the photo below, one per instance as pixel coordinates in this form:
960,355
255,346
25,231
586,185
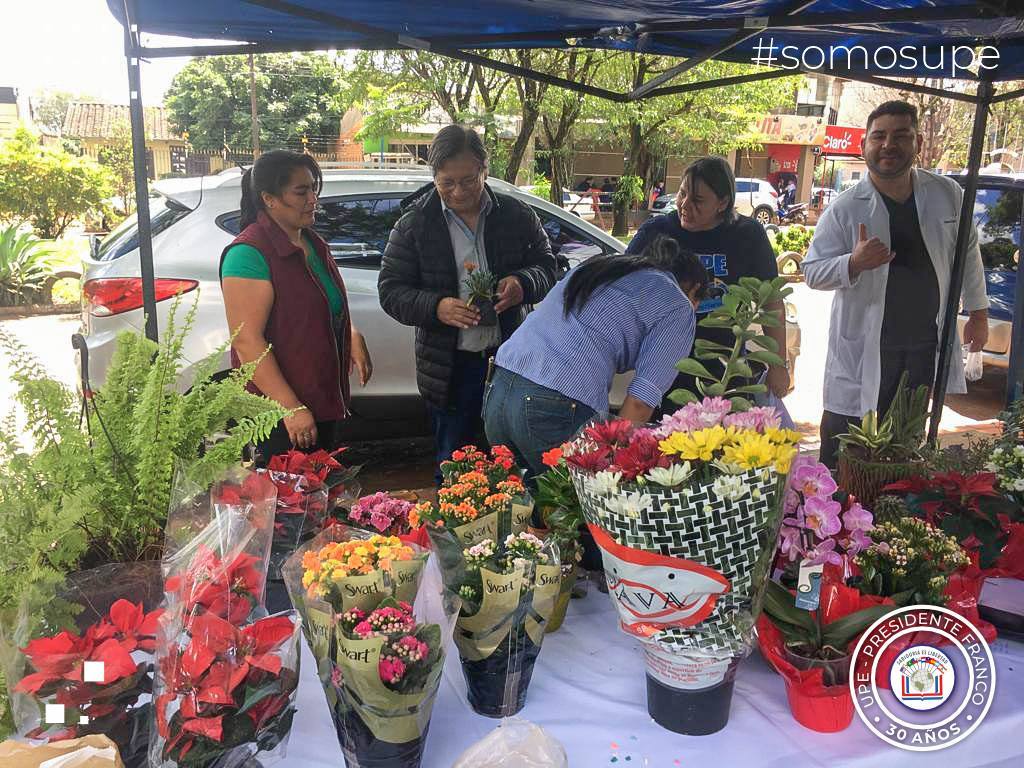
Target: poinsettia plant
225,691
969,508
97,677
319,469
231,589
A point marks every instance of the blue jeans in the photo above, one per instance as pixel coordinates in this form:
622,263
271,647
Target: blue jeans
530,419
459,424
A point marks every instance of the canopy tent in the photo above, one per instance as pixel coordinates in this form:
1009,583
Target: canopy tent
941,32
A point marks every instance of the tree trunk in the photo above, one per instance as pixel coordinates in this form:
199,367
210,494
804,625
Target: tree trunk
561,172
523,140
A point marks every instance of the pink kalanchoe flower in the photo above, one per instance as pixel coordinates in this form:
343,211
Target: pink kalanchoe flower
822,516
824,552
813,480
391,669
856,518
363,629
789,542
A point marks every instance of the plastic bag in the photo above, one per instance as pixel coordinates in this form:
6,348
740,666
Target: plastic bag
378,624
974,364
93,675
299,514
227,674
516,743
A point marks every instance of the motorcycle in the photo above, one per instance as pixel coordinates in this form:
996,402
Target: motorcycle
791,214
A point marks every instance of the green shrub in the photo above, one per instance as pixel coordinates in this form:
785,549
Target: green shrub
25,265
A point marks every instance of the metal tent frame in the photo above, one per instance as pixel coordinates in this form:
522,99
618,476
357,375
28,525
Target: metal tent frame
652,36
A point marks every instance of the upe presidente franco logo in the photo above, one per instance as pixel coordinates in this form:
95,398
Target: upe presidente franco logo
935,697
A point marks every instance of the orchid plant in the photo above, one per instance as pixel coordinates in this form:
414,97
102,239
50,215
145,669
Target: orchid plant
816,529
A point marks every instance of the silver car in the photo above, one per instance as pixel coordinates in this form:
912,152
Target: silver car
194,219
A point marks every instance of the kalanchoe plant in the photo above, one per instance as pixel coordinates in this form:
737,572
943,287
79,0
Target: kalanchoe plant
1007,462
744,306
968,508
326,567
909,561
498,467
467,498
383,513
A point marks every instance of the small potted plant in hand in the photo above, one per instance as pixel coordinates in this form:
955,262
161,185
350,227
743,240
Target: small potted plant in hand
482,286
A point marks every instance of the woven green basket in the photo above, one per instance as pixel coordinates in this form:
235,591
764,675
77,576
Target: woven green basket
865,479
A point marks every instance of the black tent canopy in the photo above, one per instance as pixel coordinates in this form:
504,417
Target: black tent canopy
867,40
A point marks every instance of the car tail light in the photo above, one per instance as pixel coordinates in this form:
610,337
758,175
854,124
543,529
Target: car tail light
773,192
114,295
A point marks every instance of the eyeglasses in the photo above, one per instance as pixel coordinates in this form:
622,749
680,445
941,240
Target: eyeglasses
468,183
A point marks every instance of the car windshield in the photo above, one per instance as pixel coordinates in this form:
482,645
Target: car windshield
125,236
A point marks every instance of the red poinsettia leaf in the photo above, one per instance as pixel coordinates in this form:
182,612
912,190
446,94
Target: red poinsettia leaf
59,645
267,634
34,682
117,662
220,682
212,632
150,623
267,661
196,660
264,711
916,484
129,643
189,706
126,616
210,727
96,711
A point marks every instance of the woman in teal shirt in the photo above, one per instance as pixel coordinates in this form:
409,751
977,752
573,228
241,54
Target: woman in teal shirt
282,291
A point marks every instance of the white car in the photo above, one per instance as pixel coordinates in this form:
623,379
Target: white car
825,194
194,220
756,198
574,203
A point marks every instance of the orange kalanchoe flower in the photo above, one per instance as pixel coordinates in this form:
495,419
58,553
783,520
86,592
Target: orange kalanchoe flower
552,458
340,560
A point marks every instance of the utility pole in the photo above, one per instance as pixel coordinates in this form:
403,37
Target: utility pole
252,109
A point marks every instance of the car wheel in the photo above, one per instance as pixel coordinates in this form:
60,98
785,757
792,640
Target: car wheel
763,215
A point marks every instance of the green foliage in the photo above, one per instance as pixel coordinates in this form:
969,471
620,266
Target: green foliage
629,191
480,283
47,187
793,238
25,265
897,438
561,512
386,113
541,186
296,95
97,490
744,305
967,458
117,157
804,635
50,107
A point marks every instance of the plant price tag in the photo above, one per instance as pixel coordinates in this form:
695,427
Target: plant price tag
808,586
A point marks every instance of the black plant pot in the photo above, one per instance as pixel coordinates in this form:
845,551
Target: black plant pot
363,750
488,316
497,686
694,713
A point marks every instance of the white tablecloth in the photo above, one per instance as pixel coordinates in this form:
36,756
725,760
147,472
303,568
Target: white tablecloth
589,692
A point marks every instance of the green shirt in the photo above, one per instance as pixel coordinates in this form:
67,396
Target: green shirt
247,262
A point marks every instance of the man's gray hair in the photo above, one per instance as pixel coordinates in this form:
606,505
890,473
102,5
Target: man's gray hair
452,141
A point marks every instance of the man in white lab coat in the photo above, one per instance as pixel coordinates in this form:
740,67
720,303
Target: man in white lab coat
886,248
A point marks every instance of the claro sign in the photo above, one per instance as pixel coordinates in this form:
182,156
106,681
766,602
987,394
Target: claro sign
841,140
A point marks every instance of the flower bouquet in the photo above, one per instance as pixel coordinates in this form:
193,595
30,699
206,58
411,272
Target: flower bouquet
377,626
508,593
686,515
226,674
95,676
482,287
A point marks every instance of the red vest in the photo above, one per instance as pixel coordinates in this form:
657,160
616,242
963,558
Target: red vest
299,328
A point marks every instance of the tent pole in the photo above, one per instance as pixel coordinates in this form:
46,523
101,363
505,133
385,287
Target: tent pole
139,163
956,280
1015,375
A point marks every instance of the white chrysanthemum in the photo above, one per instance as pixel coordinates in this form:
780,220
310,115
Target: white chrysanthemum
726,468
670,476
604,483
629,504
730,487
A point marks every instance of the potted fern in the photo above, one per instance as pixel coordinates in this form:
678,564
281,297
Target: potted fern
482,286
94,486
881,451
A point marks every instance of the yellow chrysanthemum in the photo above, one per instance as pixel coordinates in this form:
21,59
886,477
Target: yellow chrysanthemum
700,445
751,451
783,436
784,457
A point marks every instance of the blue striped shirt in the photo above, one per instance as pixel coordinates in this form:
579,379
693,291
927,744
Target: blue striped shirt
641,322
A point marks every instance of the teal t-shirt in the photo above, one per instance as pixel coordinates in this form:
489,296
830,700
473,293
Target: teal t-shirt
247,262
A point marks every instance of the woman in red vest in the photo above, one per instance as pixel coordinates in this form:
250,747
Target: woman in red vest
282,289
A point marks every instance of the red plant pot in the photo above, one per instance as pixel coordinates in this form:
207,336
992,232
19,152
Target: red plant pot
827,710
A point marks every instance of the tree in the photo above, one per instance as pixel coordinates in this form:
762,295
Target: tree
50,107
716,120
47,187
117,157
296,94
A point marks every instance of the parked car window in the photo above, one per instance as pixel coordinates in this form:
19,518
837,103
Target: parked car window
125,237
357,230
997,215
743,186
568,243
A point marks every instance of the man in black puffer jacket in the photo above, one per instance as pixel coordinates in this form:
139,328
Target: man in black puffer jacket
450,228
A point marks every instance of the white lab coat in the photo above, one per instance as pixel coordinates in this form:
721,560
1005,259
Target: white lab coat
853,365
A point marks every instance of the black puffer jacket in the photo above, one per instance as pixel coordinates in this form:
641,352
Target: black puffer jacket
418,270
